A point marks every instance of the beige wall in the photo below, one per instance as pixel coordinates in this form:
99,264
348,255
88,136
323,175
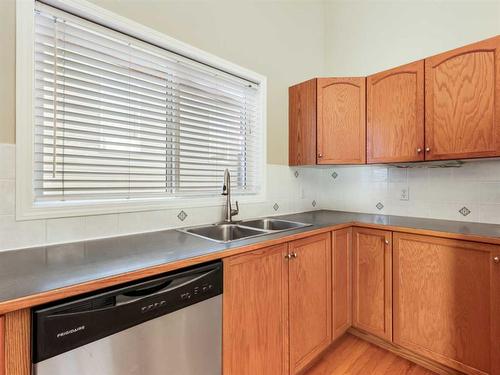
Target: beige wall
8,69
366,36
282,40
289,40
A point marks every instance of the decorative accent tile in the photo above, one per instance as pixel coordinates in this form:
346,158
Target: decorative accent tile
313,203
464,211
276,207
334,175
379,205
296,174
182,215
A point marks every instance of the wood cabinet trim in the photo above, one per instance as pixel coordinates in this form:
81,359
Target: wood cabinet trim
18,342
495,313
2,345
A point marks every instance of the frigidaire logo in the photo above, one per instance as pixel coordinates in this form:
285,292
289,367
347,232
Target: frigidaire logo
70,331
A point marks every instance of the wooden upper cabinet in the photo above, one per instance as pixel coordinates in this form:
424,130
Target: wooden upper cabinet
341,120
446,301
395,114
255,324
462,99
302,123
372,281
310,293
327,121
341,276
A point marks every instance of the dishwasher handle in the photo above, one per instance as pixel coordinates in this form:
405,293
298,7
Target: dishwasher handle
164,288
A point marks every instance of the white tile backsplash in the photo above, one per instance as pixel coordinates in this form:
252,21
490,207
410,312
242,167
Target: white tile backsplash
293,194
434,192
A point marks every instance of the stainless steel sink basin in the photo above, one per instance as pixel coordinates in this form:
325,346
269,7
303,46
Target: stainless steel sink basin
273,224
242,230
224,232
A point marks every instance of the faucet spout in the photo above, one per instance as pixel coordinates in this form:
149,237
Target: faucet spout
229,212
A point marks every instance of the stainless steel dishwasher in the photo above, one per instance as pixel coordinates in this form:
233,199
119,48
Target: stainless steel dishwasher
168,325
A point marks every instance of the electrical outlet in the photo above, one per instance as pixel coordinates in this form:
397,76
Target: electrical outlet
404,194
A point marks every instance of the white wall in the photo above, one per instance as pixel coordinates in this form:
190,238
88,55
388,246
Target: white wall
367,36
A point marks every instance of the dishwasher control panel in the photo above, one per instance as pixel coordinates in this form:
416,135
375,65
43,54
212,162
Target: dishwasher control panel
72,323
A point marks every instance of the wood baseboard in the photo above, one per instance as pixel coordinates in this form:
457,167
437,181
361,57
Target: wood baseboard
405,353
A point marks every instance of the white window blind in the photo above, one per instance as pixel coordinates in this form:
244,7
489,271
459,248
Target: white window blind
117,118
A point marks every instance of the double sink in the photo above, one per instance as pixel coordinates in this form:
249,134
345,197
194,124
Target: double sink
229,232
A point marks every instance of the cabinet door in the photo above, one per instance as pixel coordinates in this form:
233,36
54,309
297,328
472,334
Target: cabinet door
395,114
372,282
341,276
310,305
255,307
462,102
341,120
302,123
442,301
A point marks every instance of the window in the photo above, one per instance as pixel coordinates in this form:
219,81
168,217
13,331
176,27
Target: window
117,119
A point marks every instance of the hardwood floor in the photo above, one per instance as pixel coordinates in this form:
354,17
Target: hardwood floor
353,356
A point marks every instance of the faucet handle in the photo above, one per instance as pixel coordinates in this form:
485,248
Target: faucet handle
236,211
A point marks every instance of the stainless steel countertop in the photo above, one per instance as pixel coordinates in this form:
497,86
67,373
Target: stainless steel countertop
32,271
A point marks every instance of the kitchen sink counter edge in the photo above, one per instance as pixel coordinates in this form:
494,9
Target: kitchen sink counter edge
33,276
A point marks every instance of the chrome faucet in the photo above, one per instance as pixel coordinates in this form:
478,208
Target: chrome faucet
226,190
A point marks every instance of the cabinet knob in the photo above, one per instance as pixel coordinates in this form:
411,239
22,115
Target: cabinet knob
320,155
288,256
428,149
386,242
496,260
419,150
294,255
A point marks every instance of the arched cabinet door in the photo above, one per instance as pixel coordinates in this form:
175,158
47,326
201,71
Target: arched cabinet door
395,114
462,103
341,120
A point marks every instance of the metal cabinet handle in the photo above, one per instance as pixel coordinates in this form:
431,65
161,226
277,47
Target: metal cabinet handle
294,255
320,155
386,242
288,256
496,260
428,149
419,150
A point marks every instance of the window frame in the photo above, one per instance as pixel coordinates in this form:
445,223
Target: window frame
26,208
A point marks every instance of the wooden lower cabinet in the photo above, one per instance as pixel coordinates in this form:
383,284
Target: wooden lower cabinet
255,313
372,281
277,309
310,293
447,301
341,281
